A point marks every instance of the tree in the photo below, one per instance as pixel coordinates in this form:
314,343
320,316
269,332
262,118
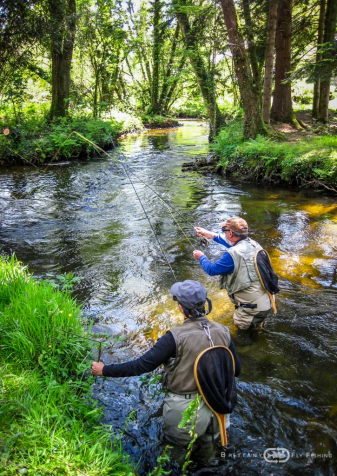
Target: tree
307,48
171,77
22,25
253,123
157,43
102,38
269,61
327,59
204,77
282,109
156,61
62,17
251,44
320,36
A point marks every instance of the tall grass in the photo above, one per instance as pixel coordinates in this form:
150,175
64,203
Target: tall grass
36,321
309,161
49,423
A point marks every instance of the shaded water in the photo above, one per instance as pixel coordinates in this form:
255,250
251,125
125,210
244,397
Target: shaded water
84,217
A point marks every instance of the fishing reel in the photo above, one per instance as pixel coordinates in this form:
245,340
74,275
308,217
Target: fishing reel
204,242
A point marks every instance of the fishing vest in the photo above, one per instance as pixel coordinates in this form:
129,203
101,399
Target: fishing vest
190,339
244,267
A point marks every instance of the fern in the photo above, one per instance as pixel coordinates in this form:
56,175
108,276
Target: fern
189,418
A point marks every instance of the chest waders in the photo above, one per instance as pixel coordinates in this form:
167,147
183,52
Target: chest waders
214,370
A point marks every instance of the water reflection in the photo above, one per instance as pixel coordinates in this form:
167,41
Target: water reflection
86,218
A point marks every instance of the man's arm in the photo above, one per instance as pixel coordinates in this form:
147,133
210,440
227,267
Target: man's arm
212,236
163,349
218,239
225,265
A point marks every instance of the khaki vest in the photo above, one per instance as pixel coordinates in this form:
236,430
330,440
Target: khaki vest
191,339
244,267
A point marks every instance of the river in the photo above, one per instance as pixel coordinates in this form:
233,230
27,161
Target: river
85,217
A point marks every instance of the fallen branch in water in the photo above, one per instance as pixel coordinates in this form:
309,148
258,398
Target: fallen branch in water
318,183
21,157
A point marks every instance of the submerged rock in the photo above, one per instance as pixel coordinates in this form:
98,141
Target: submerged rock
203,165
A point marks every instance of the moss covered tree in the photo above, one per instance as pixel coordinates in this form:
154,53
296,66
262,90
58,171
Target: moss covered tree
253,123
204,77
62,14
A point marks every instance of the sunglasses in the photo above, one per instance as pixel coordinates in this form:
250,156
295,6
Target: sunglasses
223,229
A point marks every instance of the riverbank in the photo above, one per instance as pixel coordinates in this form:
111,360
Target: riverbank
36,141
306,159
49,424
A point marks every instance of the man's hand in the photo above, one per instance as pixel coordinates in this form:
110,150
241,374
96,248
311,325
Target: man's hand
197,254
204,233
97,368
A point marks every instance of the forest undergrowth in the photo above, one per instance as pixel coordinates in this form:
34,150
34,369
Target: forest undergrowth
308,161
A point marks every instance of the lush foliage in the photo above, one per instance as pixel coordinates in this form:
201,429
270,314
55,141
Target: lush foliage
148,57
34,139
191,109
160,122
311,161
49,423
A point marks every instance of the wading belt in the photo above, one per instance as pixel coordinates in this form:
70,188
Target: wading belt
246,306
237,304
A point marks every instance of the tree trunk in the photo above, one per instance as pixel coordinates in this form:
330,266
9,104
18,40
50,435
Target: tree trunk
329,36
320,37
155,57
253,123
230,66
96,94
164,99
282,109
167,99
204,79
251,45
63,30
269,62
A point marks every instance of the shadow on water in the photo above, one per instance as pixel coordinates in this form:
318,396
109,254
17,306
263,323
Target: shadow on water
84,217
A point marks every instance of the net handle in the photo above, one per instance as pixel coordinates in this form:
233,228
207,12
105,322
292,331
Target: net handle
222,426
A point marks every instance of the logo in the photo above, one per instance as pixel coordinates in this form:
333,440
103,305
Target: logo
276,455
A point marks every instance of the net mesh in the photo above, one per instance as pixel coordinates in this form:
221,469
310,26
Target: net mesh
214,373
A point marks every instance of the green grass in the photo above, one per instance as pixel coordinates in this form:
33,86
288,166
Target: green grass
33,313
307,162
49,423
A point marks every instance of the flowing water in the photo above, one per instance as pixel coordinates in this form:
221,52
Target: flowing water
85,218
